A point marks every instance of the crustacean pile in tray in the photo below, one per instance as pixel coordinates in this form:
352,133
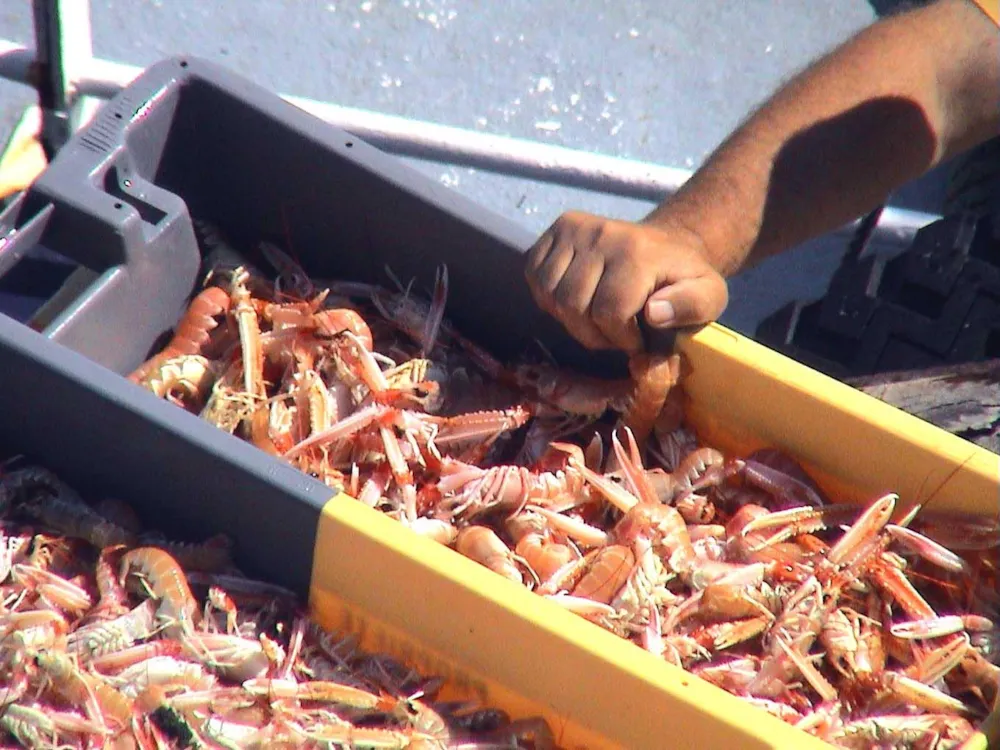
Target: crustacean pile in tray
859,625
111,636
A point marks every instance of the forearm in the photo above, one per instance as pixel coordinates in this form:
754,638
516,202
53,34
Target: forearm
894,101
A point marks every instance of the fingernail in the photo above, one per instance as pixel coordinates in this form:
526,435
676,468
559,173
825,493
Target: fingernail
660,312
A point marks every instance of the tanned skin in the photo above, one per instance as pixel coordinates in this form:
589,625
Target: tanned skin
902,96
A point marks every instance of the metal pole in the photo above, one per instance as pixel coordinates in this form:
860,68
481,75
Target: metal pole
62,47
433,142
500,154
49,80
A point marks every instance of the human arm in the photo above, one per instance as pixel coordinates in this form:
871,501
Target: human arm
900,97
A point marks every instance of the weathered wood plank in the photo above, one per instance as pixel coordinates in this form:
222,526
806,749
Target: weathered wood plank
962,399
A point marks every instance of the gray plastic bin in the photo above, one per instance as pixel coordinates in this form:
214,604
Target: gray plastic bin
190,139
113,214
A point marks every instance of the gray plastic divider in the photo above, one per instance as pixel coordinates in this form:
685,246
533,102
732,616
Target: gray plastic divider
107,438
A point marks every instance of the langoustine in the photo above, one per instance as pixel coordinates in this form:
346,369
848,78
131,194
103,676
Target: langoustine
166,658
700,558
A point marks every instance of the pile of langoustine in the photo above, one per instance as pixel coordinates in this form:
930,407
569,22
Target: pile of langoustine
105,644
833,618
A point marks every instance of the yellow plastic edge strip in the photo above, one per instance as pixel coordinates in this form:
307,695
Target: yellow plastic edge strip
732,381
978,741
744,396
494,639
991,8
857,445
988,736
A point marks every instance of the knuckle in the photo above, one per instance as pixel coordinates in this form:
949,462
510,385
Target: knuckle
700,309
575,217
536,280
706,306
582,230
603,233
541,297
534,261
615,239
547,276
568,221
569,298
717,296
606,311
634,248
538,252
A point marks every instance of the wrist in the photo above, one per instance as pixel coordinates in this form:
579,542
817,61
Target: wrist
722,240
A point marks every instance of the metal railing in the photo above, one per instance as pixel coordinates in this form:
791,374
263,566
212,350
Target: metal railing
63,70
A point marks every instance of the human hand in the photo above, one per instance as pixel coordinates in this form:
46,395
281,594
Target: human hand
595,275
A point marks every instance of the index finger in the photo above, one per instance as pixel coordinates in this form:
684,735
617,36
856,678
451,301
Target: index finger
540,250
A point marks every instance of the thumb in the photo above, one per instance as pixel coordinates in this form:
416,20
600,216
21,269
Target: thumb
688,302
